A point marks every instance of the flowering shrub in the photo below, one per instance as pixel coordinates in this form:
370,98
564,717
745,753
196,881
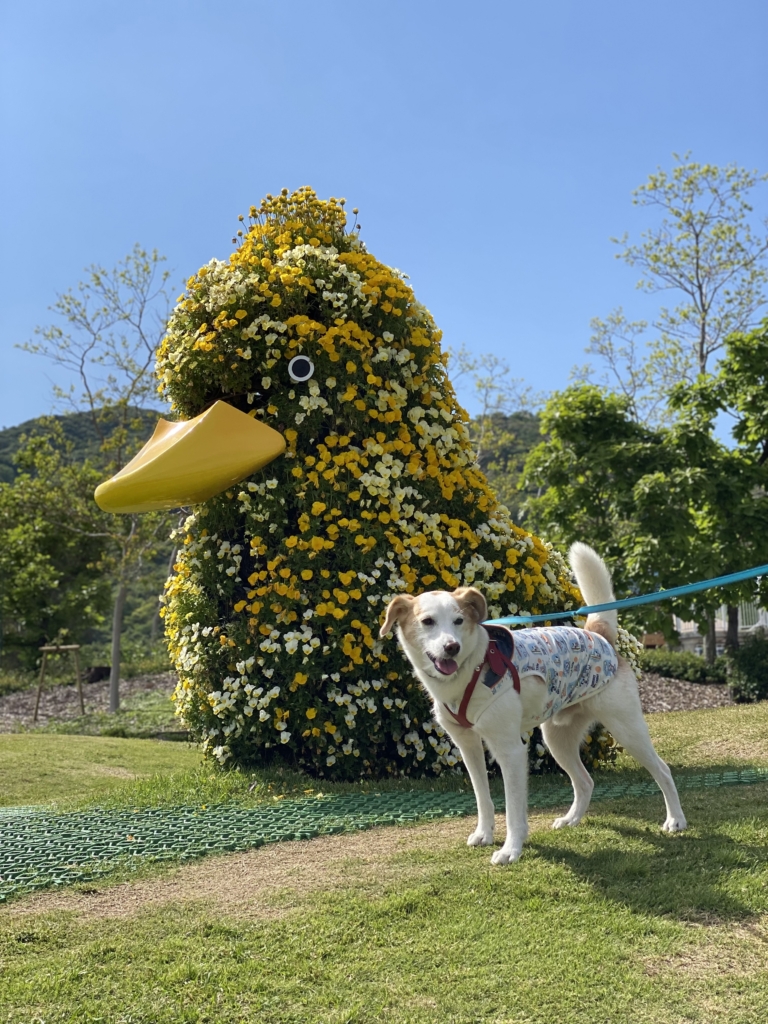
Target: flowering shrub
598,749
273,612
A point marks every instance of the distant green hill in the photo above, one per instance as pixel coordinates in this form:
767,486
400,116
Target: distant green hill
504,448
78,428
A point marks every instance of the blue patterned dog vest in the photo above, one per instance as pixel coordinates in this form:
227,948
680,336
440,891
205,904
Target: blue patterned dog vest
573,663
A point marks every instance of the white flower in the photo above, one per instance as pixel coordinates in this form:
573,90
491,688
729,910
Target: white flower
266,382
285,736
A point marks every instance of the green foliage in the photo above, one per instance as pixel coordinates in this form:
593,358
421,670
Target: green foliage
682,665
664,506
12,680
748,669
52,584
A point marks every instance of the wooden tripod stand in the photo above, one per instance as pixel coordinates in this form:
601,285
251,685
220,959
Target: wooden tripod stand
57,649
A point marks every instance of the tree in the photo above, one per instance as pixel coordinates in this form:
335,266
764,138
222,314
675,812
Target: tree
708,249
605,479
739,390
52,581
664,505
113,323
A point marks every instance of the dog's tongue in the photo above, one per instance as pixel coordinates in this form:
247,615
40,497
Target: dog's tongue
446,665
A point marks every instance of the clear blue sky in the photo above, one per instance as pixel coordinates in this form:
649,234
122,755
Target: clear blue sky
492,147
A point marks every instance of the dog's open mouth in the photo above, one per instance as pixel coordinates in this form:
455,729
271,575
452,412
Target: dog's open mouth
446,666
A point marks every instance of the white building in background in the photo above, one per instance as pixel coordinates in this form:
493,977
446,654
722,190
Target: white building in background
750,618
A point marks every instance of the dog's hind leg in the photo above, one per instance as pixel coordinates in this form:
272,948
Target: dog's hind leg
618,708
563,736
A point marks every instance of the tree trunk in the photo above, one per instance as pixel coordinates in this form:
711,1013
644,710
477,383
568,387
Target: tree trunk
710,640
732,634
117,628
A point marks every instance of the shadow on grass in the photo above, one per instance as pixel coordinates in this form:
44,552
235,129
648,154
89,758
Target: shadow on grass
703,876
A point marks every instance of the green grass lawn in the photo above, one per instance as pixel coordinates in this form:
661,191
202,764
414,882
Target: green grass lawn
610,922
40,768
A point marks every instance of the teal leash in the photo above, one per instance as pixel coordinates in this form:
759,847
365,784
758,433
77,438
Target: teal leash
630,602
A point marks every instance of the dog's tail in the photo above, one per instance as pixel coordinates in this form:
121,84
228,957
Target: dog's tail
595,585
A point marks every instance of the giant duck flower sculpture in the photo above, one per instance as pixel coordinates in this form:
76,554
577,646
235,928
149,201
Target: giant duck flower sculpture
329,467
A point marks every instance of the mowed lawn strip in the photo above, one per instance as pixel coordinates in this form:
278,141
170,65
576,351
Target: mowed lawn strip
611,921
40,768
110,772
729,736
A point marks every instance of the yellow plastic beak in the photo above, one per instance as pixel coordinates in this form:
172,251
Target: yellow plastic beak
191,461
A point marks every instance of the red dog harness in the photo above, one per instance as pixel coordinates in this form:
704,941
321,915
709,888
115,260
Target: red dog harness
498,663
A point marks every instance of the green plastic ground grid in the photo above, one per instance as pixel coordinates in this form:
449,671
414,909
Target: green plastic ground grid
39,849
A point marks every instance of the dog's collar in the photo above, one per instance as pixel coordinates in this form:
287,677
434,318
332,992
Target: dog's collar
499,664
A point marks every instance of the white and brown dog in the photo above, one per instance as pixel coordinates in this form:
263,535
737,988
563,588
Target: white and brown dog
561,679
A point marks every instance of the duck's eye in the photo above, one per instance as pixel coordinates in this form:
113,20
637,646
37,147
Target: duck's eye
429,621
458,622
300,369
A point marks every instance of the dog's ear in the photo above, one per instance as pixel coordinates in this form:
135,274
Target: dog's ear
397,608
471,602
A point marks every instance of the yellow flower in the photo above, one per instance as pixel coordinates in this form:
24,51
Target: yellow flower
311,713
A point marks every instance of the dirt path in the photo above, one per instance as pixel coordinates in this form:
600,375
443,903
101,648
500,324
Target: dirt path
269,881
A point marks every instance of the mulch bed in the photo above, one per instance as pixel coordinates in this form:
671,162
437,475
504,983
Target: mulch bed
660,694
62,702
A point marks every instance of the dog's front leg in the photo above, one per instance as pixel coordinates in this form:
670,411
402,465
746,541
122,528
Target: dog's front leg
512,758
472,754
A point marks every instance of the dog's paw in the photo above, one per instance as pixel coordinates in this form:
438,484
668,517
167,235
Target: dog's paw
566,820
678,824
506,855
480,838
